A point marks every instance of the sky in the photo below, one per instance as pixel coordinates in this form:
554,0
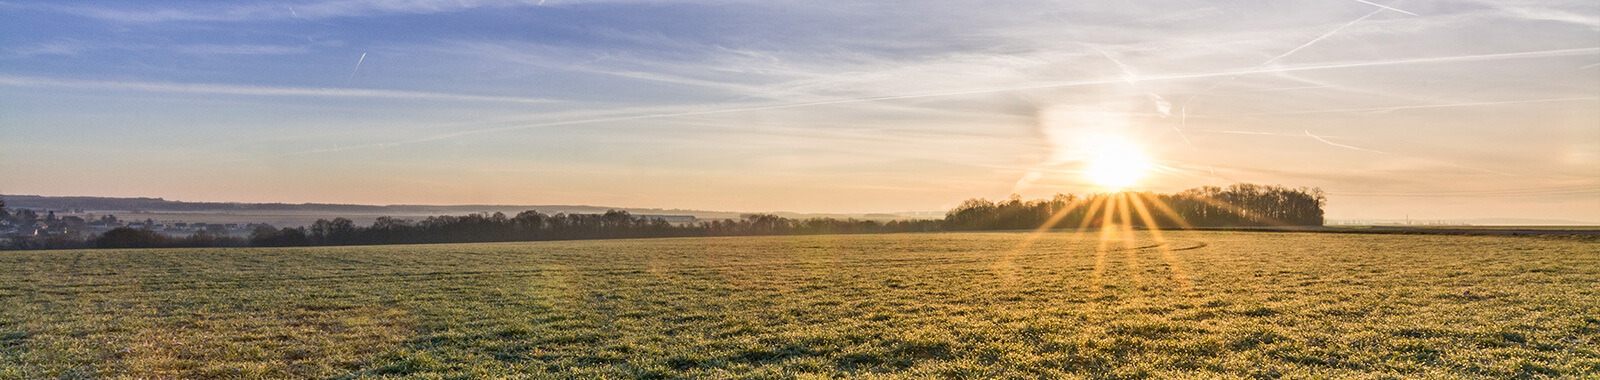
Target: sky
1421,109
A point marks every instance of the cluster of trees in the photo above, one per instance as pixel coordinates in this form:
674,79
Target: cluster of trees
1239,205
128,237
534,226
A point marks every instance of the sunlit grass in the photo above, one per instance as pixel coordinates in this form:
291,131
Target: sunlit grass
1103,304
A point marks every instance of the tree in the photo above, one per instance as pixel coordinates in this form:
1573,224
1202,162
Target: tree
262,235
339,231
124,237
26,217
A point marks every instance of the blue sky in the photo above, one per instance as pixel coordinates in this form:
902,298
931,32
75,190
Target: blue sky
1441,109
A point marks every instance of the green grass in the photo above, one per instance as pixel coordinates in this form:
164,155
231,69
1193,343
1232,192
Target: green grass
959,305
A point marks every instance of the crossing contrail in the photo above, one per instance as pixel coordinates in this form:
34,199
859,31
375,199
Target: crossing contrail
358,67
1183,119
1385,7
1257,70
1319,38
1425,106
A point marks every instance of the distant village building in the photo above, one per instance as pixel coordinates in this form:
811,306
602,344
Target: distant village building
39,228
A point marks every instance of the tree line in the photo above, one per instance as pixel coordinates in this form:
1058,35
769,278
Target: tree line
1239,205
536,226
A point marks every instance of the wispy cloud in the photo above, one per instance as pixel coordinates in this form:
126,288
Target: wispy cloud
623,115
77,47
311,10
1257,133
225,89
940,89
1548,13
241,49
1184,108
1426,106
57,47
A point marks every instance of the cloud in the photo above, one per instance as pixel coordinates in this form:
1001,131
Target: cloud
57,47
1426,106
240,49
226,89
1546,11
311,10
871,87
76,47
942,81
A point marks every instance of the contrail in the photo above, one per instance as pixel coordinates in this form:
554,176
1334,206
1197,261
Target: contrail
1295,135
1441,162
1162,105
1456,58
1183,120
1127,71
1325,141
358,67
292,13
1320,38
1424,106
1185,139
1275,89
1328,66
1385,7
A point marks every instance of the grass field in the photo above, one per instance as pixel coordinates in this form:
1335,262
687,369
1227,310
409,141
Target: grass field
958,305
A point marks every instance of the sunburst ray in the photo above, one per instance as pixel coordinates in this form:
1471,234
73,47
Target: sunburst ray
1180,275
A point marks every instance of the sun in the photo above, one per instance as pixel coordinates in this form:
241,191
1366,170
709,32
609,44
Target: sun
1115,164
